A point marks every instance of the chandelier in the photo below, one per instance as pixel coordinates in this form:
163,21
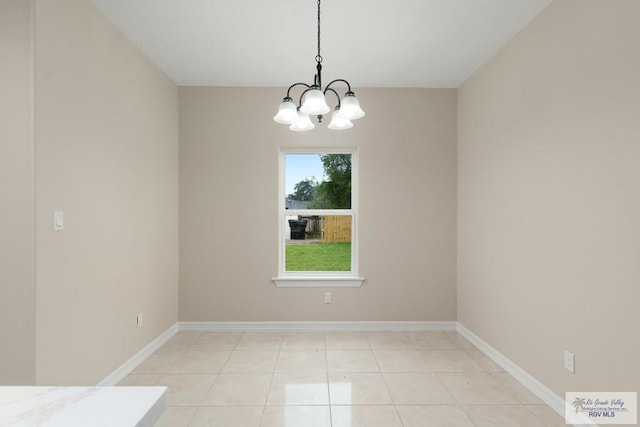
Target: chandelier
312,102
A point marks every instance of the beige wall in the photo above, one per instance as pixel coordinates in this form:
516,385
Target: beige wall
107,155
16,194
549,199
548,202
229,205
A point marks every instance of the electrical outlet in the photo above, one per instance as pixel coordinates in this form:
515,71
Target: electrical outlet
139,320
570,361
327,297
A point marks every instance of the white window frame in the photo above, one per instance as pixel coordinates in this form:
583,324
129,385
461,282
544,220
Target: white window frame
317,279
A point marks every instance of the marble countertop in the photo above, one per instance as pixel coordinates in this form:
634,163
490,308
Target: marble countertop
81,406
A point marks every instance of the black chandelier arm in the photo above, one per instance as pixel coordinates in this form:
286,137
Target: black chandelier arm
297,84
343,81
335,93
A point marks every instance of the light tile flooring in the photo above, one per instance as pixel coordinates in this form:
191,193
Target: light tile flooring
340,379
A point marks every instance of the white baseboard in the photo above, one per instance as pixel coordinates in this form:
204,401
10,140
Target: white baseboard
127,367
318,326
545,394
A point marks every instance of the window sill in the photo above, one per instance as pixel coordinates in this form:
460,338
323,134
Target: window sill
318,282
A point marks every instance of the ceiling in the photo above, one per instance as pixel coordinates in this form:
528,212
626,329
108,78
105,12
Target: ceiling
370,43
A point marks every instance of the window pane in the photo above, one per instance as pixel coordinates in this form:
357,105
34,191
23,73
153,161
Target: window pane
318,181
318,243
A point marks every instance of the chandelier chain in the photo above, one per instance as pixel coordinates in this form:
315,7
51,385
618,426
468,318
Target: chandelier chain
319,57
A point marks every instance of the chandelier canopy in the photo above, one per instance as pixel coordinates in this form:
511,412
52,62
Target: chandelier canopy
312,102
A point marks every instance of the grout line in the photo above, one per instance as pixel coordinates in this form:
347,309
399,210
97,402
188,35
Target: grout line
273,374
326,363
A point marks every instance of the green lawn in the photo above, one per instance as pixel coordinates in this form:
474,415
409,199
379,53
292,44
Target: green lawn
318,257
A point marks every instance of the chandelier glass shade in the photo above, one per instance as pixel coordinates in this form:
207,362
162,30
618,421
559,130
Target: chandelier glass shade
339,121
313,102
302,123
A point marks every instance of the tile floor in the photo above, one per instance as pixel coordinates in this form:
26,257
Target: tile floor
340,379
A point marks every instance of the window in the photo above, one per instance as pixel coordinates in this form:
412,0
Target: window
317,216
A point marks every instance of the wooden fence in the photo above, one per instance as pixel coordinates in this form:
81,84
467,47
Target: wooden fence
336,229
328,228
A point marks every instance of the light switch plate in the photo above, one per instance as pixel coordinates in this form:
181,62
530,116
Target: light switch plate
570,361
58,221
139,320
